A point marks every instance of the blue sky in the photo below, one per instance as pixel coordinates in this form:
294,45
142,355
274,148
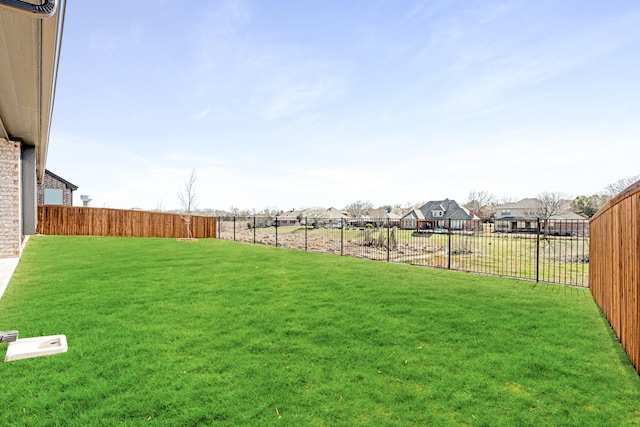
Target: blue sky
293,104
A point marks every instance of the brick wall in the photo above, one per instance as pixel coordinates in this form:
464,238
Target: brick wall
10,235
51,182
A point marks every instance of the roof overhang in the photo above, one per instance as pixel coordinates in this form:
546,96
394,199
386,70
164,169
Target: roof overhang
66,183
29,55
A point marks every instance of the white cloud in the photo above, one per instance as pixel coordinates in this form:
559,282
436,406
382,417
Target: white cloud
202,114
291,99
499,67
249,76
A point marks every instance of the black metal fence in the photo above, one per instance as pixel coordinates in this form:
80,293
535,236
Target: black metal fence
553,251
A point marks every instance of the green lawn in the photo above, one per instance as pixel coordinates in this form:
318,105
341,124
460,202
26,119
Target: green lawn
175,333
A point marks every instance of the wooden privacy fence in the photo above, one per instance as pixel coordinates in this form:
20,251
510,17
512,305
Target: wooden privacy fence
85,221
614,267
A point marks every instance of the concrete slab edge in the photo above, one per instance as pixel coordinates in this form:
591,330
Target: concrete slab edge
7,267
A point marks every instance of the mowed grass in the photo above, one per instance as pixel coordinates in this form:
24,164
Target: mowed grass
562,259
175,333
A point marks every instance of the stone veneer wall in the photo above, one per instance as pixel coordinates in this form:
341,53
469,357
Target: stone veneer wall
10,234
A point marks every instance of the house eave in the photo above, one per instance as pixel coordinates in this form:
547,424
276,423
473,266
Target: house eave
67,184
29,58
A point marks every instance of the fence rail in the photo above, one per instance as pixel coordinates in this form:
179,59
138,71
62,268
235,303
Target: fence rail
551,251
87,221
615,267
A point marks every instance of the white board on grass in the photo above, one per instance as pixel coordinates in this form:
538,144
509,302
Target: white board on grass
34,347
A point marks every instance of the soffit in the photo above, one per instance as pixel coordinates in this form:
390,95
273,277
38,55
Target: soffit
19,85
29,53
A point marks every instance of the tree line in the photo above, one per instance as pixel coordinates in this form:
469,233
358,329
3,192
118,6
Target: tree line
483,203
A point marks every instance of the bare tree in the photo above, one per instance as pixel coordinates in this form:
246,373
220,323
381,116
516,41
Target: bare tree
269,211
506,199
478,201
359,208
613,189
550,204
489,211
315,215
159,206
188,200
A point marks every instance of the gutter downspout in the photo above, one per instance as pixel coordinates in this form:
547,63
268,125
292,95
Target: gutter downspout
33,10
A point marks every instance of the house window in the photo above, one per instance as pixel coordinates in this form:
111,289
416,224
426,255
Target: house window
505,212
437,214
52,196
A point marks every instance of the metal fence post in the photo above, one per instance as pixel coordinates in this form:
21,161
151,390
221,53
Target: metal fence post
538,250
234,228
388,239
449,248
341,236
276,232
254,230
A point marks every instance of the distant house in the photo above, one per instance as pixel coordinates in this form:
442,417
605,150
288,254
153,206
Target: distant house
566,224
409,221
55,190
331,217
336,217
439,215
517,217
376,217
522,217
384,217
292,217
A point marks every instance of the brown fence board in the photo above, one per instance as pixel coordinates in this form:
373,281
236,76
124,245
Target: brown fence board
614,270
86,221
